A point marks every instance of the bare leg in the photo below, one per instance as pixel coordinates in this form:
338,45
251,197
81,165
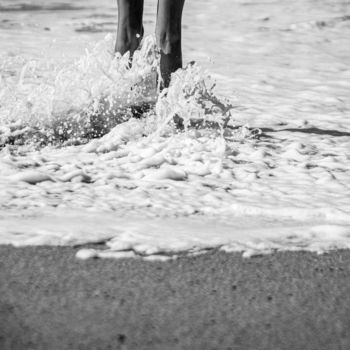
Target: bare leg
168,32
130,30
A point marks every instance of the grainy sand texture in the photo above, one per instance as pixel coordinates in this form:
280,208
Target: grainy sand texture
294,300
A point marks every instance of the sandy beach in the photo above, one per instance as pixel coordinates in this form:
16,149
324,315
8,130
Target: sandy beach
246,152
295,300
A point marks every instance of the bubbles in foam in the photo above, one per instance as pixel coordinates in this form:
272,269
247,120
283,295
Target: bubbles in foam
158,172
181,178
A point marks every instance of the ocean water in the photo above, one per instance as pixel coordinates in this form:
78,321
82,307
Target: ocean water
89,151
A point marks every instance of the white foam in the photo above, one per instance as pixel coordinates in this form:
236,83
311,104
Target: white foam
175,193
164,238
147,190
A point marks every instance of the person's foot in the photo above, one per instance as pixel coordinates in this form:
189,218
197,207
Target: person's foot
129,41
169,63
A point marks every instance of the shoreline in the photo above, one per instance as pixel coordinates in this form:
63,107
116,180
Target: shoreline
289,300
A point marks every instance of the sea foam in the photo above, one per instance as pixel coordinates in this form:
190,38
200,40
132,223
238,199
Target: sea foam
92,152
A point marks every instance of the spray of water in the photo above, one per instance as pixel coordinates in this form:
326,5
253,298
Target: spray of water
44,103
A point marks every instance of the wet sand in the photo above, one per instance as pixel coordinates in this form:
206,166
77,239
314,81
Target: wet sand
295,300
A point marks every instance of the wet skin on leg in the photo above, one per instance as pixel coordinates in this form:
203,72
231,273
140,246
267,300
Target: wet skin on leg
168,33
130,29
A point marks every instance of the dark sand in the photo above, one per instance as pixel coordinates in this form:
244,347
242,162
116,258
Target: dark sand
50,300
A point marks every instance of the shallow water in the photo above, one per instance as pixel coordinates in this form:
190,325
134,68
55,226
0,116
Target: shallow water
145,188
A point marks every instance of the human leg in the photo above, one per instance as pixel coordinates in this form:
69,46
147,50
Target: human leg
168,33
130,30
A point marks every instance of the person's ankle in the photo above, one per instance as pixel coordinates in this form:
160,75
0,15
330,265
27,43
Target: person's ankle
128,40
169,63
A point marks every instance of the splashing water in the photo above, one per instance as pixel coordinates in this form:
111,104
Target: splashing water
91,152
70,103
100,90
